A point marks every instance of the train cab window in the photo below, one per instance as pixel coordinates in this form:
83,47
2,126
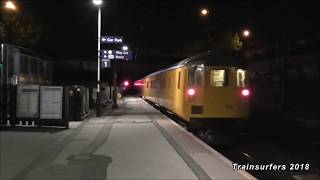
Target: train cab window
241,78
196,75
219,78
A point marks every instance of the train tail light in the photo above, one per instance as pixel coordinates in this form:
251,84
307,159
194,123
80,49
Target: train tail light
245,92
138,83
191,92
126,83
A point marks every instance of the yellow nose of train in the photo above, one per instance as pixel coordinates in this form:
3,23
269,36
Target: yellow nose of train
208,88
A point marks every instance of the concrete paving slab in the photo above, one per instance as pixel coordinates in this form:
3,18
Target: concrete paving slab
135,142
19,149
139,151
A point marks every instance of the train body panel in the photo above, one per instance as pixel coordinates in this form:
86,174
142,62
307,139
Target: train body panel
196,90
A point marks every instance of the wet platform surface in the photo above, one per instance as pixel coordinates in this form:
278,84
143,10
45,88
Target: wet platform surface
133,142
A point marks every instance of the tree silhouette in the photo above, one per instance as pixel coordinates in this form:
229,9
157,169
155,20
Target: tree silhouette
225,40
20,29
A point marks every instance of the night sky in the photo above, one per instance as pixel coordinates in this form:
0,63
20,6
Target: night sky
163,26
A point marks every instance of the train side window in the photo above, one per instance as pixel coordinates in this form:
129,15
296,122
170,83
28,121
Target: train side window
42,67
24,64
34,66
179,77
219,78
11,65
241,78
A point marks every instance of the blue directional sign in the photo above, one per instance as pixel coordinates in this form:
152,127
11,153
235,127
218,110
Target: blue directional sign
112,39
117,54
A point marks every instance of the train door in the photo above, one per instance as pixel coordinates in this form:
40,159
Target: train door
219,96
224,96
195,90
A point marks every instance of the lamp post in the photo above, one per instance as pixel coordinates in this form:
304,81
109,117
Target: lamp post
98,3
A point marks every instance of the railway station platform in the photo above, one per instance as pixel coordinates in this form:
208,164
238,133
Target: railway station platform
135,142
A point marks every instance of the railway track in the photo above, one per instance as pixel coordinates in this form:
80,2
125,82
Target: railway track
283,145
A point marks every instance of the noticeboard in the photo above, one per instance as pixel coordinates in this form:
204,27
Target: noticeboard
51,98
27,101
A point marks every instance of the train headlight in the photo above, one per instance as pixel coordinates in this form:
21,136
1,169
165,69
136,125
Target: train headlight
191,92
245,92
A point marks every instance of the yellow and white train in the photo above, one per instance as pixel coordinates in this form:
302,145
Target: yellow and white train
208,89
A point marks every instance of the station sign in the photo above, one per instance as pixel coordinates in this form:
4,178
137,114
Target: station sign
112,39
116,54
105,63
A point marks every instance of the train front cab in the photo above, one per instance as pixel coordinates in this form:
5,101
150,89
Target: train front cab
217,96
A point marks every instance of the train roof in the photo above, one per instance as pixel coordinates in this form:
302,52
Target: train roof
26,51
208,58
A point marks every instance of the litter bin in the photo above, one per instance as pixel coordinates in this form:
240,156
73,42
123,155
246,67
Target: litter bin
78,103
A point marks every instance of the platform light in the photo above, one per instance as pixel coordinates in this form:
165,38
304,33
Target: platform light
97,2
246,33
10,5
204,12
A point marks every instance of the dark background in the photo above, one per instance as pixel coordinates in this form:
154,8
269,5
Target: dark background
163,27
159,32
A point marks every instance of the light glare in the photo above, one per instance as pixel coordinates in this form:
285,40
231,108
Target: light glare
97,2
245,92
191,92
204,12
125,48
246,33
10,5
